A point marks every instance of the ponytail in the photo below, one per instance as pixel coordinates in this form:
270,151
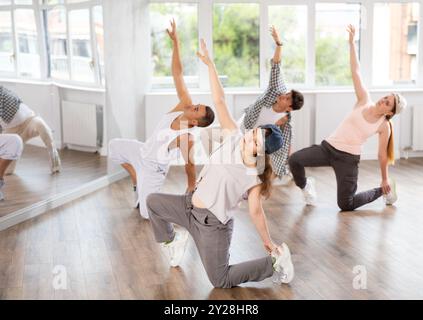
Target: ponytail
266,178
391,146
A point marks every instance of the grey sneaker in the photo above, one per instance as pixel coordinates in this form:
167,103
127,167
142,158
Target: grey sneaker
392,196
309,192
55,162
1,187
282,265
175,250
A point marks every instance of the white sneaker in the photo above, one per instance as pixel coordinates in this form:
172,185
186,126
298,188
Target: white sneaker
283,267
392,196
309,192
176,249
136,198
55,162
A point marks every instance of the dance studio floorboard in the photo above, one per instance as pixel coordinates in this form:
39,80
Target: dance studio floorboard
108,252
33,182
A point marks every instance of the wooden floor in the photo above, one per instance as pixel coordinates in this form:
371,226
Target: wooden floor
33,182
109,252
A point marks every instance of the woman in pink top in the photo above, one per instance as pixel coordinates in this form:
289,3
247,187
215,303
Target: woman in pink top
342,149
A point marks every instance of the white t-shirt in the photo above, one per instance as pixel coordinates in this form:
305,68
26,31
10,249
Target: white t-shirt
225,179
24,112
267,116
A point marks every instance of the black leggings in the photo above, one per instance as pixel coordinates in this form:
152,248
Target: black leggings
346,171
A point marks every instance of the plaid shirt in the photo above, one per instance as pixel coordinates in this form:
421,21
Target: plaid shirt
9,104
267,100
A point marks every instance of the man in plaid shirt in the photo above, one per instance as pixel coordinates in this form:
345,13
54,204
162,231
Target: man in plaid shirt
274,106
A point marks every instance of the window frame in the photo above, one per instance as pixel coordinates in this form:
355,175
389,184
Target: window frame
205,30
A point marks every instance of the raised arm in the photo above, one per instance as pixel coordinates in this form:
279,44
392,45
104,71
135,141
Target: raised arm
277,57
360,91
177,70
218,95
276,82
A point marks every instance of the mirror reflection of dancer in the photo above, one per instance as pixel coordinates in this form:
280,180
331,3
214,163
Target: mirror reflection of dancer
207,213
17,118
148,162
274,106
342,149
10,150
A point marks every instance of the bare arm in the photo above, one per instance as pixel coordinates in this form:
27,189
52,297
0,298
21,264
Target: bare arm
186,145
384,134
277,57
218,95
259,218
360,91
177,70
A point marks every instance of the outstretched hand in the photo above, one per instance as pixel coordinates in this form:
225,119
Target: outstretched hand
203,54
172,32
275,34
351,32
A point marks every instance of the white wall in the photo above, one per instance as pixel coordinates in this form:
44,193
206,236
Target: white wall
127,51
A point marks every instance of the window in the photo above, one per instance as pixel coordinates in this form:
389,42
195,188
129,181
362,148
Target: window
236,43
58,45
186,17
99,35
332,51
27,43
395,43
82,59
6,42
291,21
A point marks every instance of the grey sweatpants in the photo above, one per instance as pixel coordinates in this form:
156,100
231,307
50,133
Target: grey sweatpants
346,171
211,237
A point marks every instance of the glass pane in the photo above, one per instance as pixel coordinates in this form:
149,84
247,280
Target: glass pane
6,42
28,58
5,2
395,43
76,1
58,43
26,2
186,17
82,59
99,33
332,51
291,21
52,2
236,43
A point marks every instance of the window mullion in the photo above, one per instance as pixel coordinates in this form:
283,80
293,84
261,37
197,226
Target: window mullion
15,42
264,52
42,41
419,79
310,45
205,27
69,44
94,47
366,43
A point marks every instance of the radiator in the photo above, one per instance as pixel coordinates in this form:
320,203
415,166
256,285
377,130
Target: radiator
417,129
82,124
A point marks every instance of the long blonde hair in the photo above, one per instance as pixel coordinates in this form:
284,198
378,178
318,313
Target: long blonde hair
390,151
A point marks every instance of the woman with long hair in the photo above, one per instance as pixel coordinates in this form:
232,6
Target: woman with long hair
342,149
240,164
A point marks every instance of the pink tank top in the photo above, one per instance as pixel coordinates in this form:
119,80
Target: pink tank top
354,131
